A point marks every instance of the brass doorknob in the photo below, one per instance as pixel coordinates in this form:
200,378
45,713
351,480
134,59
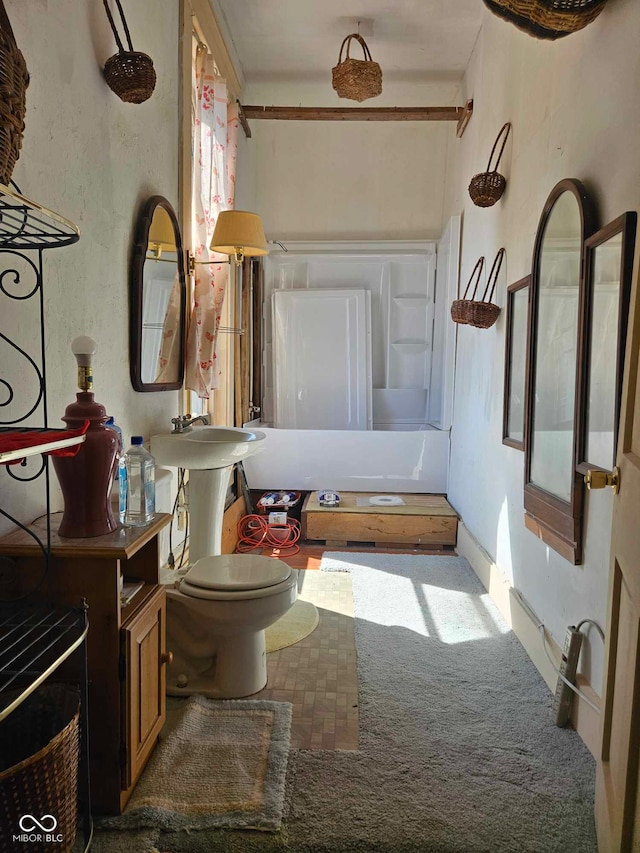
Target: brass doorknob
595,479
166,657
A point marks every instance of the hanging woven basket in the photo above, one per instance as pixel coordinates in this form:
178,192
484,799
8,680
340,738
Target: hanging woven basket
547,19
356,79
129,73
483,313
486,188
461,308
14,79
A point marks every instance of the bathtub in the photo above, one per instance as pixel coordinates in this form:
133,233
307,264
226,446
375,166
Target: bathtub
409,458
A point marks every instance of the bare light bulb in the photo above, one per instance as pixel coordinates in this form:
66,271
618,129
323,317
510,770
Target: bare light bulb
84,349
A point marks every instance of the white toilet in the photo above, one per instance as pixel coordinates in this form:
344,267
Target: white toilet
216,618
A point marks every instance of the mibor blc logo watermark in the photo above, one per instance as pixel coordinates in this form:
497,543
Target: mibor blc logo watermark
42,829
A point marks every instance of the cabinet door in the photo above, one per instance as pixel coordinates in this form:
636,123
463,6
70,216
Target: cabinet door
144,702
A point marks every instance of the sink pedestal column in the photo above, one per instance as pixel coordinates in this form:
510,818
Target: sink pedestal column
207,496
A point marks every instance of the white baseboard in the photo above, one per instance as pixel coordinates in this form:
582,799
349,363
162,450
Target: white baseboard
584,719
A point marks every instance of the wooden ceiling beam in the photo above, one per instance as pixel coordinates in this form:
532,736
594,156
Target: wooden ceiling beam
243,120
465,118
354,113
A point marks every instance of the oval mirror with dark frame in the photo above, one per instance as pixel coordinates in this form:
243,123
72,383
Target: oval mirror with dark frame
608,271
157,313
553,492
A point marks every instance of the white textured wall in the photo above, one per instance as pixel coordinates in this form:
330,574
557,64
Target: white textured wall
312,180
575,111
95,160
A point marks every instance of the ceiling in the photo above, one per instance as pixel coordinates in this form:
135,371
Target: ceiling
413,40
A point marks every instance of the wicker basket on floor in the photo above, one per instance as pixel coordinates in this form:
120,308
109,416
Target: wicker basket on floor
356,79
40,748
129,73
486,188
461,308
483,313
14,79
547,19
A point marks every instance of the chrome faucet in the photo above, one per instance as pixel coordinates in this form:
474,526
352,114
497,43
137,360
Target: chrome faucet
183,423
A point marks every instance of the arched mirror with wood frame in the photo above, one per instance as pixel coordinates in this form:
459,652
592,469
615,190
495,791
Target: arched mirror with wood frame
554,489
157,312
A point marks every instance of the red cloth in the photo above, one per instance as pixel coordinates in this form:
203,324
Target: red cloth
20,439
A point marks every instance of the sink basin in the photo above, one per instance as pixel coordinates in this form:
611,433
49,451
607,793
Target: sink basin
209,452
205,447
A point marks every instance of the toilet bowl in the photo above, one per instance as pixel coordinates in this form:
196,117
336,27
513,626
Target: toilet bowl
216,618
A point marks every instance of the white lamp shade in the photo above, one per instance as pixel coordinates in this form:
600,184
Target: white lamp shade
239,232
161,233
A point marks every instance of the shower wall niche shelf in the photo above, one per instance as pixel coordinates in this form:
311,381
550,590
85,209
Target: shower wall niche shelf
410,301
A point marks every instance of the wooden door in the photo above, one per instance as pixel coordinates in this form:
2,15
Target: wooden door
144,702
617,802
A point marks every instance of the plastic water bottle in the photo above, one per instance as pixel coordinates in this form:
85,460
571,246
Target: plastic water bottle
110,422
121,470
141,484
122,488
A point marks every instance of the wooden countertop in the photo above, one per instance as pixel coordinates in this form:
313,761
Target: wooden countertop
122,543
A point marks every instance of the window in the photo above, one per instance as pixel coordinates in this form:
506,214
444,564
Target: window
578,307
515,363
553,492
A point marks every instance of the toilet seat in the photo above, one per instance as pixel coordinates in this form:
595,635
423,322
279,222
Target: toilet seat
237,576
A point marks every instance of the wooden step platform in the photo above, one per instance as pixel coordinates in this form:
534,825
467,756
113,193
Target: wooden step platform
423,521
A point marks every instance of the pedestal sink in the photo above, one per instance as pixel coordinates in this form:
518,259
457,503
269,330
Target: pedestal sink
209,453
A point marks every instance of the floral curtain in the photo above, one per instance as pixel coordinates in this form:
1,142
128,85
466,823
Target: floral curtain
215,135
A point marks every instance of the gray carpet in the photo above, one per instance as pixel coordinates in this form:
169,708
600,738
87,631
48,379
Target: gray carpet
458,750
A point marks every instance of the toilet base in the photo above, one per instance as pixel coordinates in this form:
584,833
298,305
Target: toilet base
238,669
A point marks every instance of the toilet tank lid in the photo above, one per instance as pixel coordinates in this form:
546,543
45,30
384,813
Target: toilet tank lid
237,571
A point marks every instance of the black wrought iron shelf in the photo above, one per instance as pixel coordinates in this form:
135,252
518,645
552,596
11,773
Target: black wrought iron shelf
30,441
27,230
25,224
35,639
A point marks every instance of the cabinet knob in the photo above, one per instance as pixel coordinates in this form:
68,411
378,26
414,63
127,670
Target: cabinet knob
166,657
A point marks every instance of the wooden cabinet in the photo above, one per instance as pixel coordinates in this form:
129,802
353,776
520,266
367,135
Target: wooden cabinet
143,687
125,644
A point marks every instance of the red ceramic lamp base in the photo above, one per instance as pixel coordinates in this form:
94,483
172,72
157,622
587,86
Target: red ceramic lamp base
87,477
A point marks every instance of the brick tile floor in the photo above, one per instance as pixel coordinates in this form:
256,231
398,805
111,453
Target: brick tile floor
319,674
